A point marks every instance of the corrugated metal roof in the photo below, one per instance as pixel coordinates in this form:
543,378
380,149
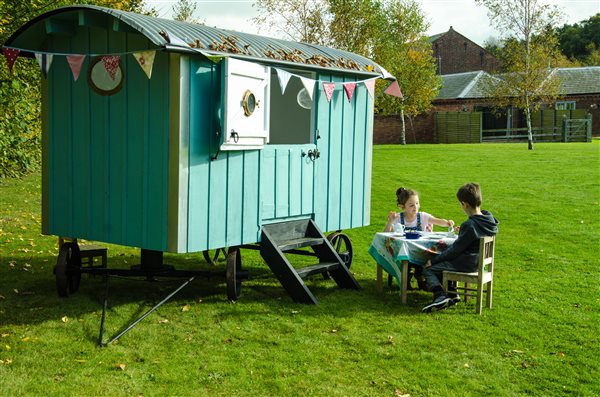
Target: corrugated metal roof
184,37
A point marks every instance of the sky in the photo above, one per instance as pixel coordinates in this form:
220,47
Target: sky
464,16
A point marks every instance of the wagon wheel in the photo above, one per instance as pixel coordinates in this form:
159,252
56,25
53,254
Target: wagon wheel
212,257
68,269
234,265
343,246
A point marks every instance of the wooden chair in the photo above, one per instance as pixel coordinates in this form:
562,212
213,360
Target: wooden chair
483,276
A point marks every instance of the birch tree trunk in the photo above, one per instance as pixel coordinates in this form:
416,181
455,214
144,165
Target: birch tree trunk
402,128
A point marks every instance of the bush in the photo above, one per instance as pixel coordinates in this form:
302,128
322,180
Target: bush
20,123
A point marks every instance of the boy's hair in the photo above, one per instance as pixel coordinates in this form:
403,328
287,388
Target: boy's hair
402,195
470,193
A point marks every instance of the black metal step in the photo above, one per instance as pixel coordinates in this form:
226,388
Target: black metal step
299,243
319,268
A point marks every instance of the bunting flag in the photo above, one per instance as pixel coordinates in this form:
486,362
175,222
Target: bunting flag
349,88
111,64
11,55
328,87
284,78
44,60
145,59
370,84
75,62
309,84
394,89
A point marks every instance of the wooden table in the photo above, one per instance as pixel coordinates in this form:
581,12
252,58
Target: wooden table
392,252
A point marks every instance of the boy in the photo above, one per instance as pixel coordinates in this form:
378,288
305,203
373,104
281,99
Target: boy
463,255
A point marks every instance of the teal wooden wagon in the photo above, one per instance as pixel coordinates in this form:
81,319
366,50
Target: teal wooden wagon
179,138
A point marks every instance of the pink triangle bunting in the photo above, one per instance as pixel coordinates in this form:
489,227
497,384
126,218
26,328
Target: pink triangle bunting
349,88
394,89
111,64
328,87
75,62
11,55
370,84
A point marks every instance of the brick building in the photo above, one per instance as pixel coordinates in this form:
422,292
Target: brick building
454,53
461,92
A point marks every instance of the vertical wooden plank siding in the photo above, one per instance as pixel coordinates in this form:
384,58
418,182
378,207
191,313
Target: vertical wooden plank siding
359,155
343,173
224,193
267,182
81,204
322,116
251,196
61,149
282,182
107,155
295,181
349,191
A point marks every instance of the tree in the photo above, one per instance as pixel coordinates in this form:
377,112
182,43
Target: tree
184,11
406,53
580,40
298,20
531,47
389,32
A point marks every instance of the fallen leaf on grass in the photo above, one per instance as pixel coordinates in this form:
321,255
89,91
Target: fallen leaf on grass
517,351
398,393
7,347
64,319
561,354
466,365
390,340
295,311
25,339
185,308
2,297
6,361
4,335
16,291
80,361
120,366
333,331
163,321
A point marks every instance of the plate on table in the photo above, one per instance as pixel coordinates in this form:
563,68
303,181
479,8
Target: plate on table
437,235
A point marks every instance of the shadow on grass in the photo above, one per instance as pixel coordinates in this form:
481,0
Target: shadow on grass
30,297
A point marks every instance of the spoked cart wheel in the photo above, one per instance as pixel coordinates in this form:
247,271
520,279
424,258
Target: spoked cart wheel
232,273
343,246
68,269
212,256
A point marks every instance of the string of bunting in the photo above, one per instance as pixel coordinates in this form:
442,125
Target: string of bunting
145,60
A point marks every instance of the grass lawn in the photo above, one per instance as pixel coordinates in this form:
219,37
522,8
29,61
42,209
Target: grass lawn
541,338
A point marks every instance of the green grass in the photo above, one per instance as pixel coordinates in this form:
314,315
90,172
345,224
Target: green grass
541,337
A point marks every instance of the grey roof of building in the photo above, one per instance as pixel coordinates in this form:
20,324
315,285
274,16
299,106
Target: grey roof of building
573,81
583,80
180,36
460,85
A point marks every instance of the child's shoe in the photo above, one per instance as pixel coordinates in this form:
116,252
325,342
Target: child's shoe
439,302
454,298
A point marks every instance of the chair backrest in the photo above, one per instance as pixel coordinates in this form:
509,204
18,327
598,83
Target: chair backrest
487,246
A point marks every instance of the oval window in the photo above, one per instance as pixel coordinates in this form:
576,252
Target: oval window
101,80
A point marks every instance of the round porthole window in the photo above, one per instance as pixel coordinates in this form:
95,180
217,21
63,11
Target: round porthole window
105,78
249,103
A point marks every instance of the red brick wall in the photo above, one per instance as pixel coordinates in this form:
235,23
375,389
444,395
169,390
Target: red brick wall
386,129
454,53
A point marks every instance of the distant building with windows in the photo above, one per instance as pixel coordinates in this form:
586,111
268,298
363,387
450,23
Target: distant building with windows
454,53
462,92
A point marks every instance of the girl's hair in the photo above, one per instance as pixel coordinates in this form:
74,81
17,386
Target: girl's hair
402,195
470,193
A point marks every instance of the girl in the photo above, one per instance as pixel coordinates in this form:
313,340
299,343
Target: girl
411,218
